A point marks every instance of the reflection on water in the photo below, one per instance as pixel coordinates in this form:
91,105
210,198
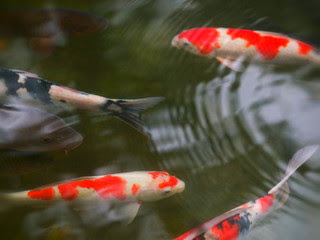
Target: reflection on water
239,124
228,135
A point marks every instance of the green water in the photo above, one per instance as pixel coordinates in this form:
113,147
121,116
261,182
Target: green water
227,135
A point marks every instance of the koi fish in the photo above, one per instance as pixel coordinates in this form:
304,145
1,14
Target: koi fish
24,128
48,27
239,221
31,89
132,188
232,46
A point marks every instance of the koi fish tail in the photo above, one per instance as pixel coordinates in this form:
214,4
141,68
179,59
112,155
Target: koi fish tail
297,160
129,110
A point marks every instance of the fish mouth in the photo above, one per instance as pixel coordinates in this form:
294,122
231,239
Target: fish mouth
175,42
180,186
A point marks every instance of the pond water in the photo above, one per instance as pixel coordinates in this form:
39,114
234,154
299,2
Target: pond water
228,135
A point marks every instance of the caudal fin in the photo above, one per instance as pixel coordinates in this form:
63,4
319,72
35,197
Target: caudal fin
297,160
129,110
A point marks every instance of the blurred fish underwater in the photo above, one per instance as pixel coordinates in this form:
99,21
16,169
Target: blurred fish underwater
47,28
25,128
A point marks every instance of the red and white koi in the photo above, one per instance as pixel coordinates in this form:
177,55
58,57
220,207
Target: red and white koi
239,221
29,87
133,188
230,45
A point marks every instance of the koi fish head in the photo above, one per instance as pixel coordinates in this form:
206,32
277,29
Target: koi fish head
201,41
162,185
65,138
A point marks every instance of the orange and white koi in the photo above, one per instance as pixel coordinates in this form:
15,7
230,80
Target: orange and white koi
230,45
132,188
29,87
239,221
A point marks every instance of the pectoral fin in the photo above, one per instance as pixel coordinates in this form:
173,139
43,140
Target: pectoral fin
233,64
129,211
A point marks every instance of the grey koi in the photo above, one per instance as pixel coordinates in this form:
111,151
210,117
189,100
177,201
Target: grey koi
24,128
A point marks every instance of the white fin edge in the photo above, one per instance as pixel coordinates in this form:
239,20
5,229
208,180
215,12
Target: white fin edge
299,158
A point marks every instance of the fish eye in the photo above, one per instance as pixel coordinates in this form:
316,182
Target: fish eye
46,139
186,43
166,191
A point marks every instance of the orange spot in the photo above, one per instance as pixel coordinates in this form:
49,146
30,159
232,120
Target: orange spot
157,174
42,194
267,46
266,202
304,48
106,187
168,181
226,230
135,188
205,39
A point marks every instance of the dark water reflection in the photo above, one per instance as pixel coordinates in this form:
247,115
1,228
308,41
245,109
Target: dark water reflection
227,135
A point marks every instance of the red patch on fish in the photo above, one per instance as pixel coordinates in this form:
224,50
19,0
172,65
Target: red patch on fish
226,230
184,236
106,187
135,188
266,203
206,39
157,174
168,181
268,46
42,194
304,48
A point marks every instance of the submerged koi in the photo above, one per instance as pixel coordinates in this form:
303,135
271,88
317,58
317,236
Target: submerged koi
46,28
28,87
24,128
230,45
239,221
131,187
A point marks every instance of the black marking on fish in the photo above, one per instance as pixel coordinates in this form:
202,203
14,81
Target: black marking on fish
11,81
39,90
243,222
83,93
63,101
112,106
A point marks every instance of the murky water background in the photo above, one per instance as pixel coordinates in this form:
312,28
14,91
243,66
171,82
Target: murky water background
227,135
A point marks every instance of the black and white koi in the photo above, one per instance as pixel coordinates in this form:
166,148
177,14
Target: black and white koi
29,87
